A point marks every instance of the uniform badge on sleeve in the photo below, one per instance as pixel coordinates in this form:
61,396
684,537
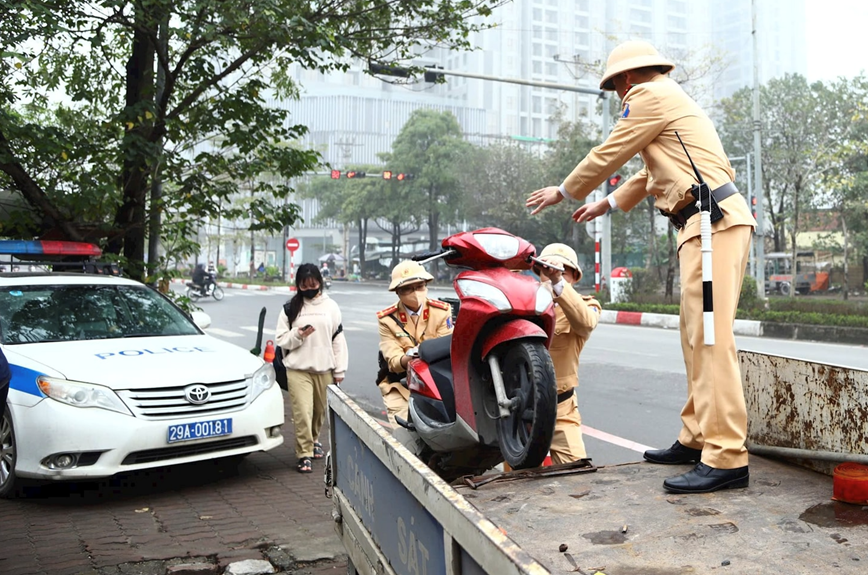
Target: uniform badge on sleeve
626,111
449,322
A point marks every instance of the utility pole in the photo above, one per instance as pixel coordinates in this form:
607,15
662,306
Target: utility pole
605,227
759,240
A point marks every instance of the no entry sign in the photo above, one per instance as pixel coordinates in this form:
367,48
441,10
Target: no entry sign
292,244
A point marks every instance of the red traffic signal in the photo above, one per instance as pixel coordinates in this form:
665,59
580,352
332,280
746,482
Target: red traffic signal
355,174
400,177
387,174
336,174
612,182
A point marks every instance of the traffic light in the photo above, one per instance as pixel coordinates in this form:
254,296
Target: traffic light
387,174
389,70
352,175
433,76
402,177
612,183
336,174
753,206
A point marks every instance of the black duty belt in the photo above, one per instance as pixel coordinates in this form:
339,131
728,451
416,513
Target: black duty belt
565,396
679,218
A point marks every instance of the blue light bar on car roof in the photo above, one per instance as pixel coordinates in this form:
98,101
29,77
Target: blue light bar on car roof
48,248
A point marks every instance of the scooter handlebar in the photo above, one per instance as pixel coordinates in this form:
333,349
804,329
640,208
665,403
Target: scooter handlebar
426,257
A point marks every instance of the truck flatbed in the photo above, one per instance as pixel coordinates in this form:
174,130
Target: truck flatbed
619,521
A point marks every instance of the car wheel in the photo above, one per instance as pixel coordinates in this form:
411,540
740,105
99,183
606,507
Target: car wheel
8,480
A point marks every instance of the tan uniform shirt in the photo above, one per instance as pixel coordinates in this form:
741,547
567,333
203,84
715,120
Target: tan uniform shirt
434,320
651,113
576,316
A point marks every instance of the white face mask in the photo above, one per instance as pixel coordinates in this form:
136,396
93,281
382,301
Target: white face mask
413,300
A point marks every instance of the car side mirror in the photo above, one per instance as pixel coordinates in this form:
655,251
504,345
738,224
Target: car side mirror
201,319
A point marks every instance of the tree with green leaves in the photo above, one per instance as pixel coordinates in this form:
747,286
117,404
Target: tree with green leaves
117,113
430,146
802,126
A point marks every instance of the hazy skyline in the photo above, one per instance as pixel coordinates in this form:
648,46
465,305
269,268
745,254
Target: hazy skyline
834,31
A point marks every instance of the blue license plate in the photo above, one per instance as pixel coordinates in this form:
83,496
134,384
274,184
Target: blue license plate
199,430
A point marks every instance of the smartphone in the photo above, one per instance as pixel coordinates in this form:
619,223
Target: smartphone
307,327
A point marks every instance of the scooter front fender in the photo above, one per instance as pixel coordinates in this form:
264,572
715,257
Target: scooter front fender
511,330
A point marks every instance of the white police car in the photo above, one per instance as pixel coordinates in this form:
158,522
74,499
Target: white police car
108,375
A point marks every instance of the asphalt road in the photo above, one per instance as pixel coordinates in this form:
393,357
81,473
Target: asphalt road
632,378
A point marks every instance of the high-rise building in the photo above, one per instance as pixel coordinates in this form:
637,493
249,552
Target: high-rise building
781,41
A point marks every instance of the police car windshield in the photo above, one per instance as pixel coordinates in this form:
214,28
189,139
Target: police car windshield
39,314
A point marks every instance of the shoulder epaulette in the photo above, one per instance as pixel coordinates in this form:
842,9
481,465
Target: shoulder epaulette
438,304
383,313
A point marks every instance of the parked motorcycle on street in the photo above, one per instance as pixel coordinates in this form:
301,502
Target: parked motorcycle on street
487,392
195,292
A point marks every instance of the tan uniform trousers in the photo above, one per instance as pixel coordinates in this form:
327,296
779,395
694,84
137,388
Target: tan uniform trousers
567,444
714,417
397,400
307,391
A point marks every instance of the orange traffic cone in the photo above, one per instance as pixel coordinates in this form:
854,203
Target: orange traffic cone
268,355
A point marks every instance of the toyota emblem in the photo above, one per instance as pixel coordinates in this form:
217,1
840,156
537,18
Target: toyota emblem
197,394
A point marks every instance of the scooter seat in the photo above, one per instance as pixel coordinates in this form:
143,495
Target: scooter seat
432,350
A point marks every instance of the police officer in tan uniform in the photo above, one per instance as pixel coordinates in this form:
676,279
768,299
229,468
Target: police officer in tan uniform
403,326
654,108
575,317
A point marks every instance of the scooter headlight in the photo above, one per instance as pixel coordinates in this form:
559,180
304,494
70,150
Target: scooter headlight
543,299
489,293
498,246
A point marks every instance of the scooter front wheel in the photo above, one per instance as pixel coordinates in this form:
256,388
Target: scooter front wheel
529,380
217,293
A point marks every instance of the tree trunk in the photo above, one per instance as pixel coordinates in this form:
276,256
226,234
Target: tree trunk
363,240
433,229
130,217
846,290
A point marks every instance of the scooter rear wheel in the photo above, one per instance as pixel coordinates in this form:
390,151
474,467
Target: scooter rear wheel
529,377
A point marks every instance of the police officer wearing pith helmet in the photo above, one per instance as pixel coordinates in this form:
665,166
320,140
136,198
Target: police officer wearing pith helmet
653,109
403,326
576,316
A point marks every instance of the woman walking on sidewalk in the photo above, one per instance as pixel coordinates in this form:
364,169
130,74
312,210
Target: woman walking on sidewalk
314,354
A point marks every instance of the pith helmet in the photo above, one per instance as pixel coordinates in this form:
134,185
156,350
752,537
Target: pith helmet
564,254
629,56
408,271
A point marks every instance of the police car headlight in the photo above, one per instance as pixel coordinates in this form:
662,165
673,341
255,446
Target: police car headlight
262,380
78,394
543,299
473,288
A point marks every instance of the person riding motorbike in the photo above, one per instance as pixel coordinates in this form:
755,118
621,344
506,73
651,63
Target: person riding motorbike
201,278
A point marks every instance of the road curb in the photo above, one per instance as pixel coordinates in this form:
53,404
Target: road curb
668,321
746,327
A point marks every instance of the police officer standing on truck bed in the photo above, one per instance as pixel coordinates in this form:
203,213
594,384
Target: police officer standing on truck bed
576,316
403,326
654,108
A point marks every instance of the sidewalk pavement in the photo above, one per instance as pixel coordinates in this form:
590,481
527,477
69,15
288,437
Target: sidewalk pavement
802,332
167,520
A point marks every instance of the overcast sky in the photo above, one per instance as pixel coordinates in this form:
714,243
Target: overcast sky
837,32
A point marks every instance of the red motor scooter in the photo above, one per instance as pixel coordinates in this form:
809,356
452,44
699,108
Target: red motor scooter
486,393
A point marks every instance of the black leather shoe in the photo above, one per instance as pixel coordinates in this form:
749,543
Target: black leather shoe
705,479
674,455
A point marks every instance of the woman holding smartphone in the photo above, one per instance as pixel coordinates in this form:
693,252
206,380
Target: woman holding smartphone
315,355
